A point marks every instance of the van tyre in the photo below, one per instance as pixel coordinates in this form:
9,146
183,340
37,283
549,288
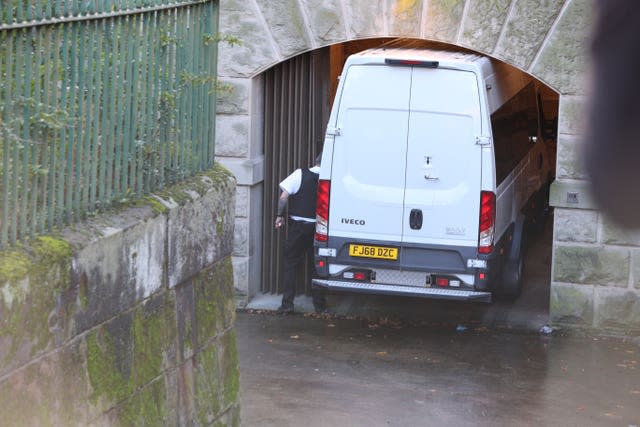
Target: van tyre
512,279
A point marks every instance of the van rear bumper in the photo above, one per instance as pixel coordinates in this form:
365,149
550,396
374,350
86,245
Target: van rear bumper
414,291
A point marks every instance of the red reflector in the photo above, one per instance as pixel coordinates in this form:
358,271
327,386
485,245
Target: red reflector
359,275
482,276
441,281
320,263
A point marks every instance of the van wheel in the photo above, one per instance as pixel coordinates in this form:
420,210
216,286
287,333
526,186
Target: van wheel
512,279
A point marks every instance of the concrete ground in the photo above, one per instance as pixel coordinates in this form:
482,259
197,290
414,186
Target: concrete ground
391,361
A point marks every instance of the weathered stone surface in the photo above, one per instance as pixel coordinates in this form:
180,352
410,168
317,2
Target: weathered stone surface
614,235
120,265
232,135
571,120
48,391
239,19
229,367
242,201
241,237
592,265
571,304
186,320
366,18
234,98
443,19
484,21
214,301
241,275
34,318
575,225
148,407
405,17
287,26
325,20
199,232
207,385
570,162
526,29
563,60
618,309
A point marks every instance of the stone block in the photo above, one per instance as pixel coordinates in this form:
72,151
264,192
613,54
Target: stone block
207,386
528,25
200,231
571,119
234,99
483,23
241,274
443,19
615,235
232,135
287,25
570,161
229,367
405,17
241,237
242,201
186,320
618,309
148,407
326,21
121,264
571,304
48,392
563,60
365,18
592,265
214,301
256,50
37,301
575,225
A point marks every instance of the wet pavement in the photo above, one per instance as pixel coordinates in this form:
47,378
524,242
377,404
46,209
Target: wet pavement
303,370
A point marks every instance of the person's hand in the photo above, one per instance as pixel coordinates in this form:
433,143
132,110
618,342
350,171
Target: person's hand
279,221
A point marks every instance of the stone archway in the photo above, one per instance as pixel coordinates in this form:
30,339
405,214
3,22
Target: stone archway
545,39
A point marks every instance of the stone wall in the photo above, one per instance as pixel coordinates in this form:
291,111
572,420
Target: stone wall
126,318
546,39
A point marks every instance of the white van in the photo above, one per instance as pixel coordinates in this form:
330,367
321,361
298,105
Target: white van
431,163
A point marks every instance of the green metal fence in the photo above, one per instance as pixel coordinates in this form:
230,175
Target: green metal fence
100,101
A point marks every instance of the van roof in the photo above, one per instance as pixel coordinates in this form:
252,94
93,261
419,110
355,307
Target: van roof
445,58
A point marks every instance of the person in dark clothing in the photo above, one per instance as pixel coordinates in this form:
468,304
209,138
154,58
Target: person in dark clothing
298,191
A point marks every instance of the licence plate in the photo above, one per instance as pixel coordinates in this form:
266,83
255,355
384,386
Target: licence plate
367,251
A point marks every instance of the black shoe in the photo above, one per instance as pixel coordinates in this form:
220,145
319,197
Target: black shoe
285,309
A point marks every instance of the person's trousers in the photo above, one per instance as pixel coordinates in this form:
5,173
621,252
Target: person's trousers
299,242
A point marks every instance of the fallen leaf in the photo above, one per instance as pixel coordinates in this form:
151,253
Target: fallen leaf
294,337
381,353
635,391
270,341
580,408
331,325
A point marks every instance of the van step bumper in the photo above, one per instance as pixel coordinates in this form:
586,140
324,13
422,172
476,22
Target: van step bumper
385,289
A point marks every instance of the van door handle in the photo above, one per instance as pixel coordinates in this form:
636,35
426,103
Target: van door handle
415,219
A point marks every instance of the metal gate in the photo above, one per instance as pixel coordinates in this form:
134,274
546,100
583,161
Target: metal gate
296,110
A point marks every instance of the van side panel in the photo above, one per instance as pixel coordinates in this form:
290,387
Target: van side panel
369,154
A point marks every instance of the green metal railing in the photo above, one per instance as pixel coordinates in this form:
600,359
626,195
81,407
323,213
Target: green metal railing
100,101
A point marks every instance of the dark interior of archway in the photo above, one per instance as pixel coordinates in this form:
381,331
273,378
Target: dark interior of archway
298,94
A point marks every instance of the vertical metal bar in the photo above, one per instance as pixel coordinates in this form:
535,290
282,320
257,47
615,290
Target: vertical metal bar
26,141
133,116
65,79
130,92
151,102
6,46
105,105
80,155
74,65
119,182
49,99
97,67
15,205
39,136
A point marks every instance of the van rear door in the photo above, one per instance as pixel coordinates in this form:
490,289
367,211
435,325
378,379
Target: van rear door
443,182
369,154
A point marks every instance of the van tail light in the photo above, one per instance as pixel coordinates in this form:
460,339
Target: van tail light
487,221
322,210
